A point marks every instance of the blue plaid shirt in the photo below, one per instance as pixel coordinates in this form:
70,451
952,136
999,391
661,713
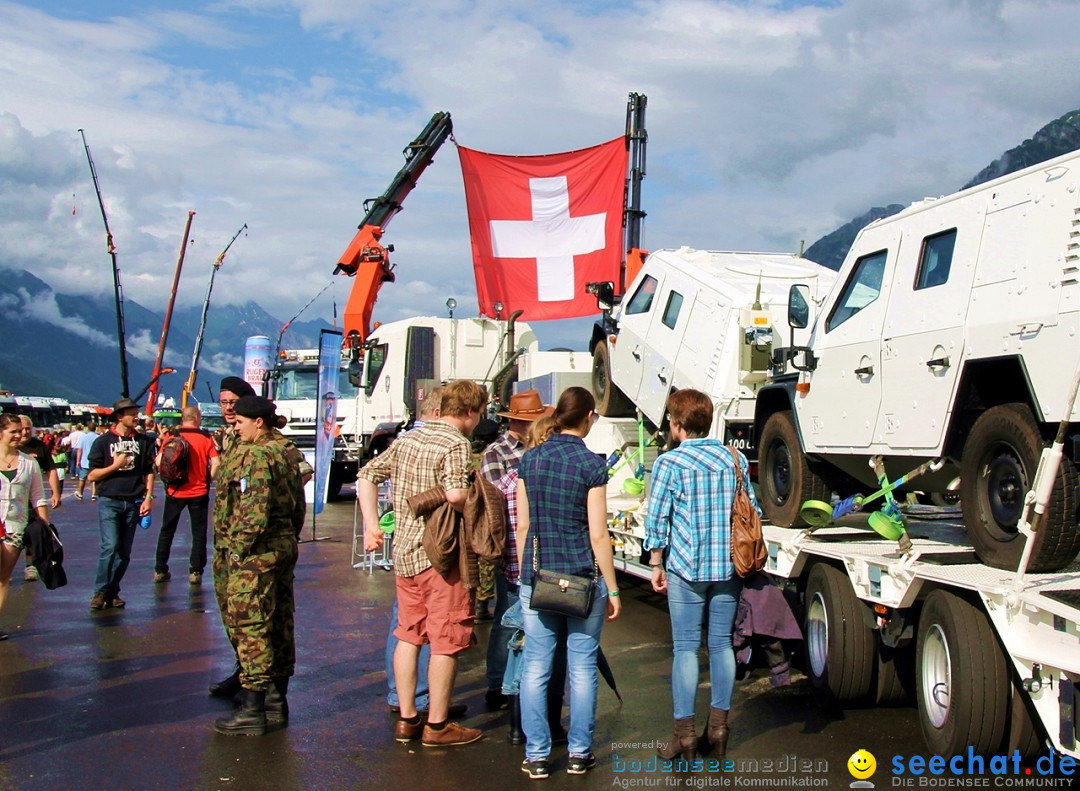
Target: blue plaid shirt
690,509
558,476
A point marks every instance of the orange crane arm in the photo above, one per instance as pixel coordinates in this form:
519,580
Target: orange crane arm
366,258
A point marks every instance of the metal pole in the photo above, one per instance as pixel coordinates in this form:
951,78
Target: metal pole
118,289
151,397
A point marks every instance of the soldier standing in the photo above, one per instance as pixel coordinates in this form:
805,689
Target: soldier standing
258,511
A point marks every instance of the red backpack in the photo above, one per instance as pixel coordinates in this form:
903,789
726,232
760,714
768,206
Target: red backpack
173,467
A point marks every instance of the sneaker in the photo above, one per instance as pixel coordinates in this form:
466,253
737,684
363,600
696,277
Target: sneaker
4,636
78,496
93,498
580,764
30,574
536,770
451,735
162,576
98,601
195,578
117,602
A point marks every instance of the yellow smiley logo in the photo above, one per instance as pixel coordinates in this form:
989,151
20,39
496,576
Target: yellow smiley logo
861,764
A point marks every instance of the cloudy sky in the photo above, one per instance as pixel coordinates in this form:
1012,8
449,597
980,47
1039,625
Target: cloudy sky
769,121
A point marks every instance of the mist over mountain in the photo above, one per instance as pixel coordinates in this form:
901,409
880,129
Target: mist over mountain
65,346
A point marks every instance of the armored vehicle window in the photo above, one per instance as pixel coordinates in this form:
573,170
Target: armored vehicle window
935,260
862,288
671,310
642,299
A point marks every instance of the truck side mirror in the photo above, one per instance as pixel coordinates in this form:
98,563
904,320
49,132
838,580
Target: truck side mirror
798,311
604,293
354,373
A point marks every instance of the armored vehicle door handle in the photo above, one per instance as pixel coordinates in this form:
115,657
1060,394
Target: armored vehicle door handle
662,376
636,351
938,362
867,371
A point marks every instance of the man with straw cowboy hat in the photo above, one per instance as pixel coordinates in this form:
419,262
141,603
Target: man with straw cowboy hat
501,456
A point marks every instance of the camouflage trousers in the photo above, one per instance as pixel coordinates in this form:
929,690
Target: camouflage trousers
255,597
485,589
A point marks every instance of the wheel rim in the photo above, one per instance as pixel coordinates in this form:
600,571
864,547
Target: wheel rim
599,379
817,635
1004,485
936,676
780,471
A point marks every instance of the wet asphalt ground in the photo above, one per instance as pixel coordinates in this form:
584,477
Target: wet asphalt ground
117,699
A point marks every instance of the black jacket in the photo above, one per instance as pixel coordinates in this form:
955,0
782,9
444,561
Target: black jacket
44,547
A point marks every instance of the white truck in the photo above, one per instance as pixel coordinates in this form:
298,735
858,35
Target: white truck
951,335
703,319
379,390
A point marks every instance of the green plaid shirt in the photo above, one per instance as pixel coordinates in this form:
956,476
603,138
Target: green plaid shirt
435,455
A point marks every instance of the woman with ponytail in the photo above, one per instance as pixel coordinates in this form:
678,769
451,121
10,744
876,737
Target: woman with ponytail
562,504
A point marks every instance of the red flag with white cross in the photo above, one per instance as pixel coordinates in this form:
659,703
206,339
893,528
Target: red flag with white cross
544,226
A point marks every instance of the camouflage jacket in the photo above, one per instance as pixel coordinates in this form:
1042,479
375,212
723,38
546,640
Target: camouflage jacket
258,493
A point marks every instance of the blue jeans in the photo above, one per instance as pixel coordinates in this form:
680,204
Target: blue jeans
687,603
422,702
117,521
583,641
499,637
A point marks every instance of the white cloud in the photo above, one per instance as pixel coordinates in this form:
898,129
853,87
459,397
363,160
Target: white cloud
769,123
43,307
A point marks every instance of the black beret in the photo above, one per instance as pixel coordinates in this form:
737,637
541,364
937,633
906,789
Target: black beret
234,384
254,406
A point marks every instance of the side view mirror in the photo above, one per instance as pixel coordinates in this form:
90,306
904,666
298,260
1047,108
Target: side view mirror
604,293
798,315
354,373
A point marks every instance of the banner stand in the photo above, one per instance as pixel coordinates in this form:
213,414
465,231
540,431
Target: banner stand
325,420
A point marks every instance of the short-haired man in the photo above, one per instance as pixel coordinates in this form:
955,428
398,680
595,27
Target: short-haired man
192,493
122,464
432,609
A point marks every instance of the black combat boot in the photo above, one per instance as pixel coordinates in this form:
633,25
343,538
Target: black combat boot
277,707
515,735
249,719
229,686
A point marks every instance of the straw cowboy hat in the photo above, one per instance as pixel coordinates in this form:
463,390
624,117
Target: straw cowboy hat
526,405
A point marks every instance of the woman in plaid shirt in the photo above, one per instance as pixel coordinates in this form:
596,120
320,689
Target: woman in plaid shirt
689,521
562,502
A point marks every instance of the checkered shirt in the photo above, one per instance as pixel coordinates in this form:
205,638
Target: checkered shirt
509,565
435,455
558,476
501,456
689,510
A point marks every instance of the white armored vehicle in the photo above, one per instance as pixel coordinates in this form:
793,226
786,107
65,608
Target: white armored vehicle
702,319
952,334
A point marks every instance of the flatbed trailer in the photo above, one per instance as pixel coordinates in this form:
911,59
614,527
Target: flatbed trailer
992,661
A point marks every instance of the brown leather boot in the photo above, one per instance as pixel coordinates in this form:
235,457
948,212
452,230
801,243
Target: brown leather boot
716,733
683,741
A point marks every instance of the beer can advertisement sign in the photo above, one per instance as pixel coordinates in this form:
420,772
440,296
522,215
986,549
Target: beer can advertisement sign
258,360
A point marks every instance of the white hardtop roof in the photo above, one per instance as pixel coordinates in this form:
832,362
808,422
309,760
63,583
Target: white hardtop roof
736,275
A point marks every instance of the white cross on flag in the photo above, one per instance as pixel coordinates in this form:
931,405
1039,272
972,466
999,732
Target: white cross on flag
544,226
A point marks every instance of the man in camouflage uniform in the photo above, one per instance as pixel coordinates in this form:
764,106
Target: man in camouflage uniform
232,389
258,512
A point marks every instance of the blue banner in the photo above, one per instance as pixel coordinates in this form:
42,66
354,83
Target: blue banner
326,415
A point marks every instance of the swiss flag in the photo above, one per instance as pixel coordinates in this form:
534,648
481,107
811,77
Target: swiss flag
544,226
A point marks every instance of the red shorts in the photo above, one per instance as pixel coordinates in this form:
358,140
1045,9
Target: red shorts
435,610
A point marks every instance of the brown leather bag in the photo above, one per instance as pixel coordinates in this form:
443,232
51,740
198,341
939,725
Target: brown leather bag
748,551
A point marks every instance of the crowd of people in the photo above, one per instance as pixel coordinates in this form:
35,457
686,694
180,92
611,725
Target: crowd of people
537,484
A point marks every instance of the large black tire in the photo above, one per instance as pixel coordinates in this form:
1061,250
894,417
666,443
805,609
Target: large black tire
894,675
997,468
610,400
961,678
785,478
839,645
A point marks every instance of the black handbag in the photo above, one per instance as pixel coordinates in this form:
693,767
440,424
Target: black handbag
563,594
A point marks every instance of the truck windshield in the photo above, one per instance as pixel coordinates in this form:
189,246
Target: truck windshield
302,384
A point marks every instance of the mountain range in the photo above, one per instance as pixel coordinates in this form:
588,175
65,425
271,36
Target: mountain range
64,346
